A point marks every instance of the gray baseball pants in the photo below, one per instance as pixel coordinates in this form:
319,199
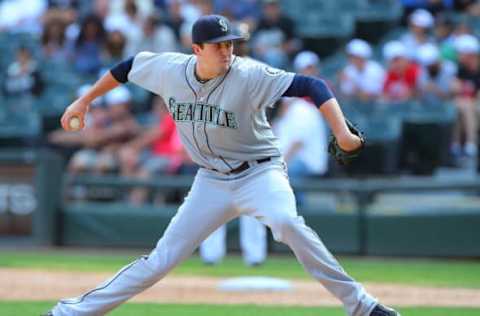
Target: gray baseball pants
262,191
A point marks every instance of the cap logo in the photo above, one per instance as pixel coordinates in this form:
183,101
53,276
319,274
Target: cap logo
223,25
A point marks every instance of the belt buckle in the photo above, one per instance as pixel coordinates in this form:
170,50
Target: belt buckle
244,166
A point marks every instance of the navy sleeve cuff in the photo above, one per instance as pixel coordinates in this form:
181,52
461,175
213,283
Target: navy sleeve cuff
304,86
120,71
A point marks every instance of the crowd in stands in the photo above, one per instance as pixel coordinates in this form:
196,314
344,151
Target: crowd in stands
54,47
433,61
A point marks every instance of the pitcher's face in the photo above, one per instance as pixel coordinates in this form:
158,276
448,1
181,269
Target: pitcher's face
215,56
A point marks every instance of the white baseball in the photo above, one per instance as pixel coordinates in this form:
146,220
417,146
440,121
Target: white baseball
74,123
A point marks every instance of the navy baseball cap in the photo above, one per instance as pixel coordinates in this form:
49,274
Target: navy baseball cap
213,29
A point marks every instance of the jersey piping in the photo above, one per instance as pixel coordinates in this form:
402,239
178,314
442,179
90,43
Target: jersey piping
205,123
195,106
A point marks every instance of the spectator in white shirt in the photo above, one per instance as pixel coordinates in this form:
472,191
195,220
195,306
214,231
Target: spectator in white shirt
362,78
420,23
436,77
301,129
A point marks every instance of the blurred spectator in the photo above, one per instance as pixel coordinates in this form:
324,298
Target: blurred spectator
274,39
128,21
144,8
174,17
122,124
460,28
202,7
66,11
402,74
436,77
156,150
471,7
443,33
22,77
420,23
22,16
114,50
242,48
191,10
101,8
246,11
86,56
307,63
63,4
186,37
433,6
302,136
54,40
300,128
467,89
107,128
156,37
362,78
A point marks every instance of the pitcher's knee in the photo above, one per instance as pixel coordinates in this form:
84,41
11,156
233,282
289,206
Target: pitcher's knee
166,256
286,226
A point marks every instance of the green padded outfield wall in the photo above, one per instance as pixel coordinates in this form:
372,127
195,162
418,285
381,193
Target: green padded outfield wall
117,225
94,224
339,232
114,225
424,235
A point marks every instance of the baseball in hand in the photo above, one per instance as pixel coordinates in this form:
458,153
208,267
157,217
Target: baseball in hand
74,123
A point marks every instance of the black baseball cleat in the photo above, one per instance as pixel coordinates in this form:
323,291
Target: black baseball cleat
381,310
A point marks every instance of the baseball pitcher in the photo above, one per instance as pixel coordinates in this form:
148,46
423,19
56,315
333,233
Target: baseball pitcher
218,102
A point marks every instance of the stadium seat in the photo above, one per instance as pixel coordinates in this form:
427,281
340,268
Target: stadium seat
379,10
60,74
356,108
374,18
422,123
18,126
316,24
458,18
319,18
332,65
296,9
351,6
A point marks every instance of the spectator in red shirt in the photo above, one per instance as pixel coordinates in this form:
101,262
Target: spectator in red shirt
156,150
402,74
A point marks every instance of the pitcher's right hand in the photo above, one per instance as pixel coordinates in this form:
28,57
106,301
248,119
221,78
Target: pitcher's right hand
77,109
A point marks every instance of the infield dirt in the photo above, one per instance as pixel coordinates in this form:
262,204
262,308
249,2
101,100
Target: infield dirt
29,284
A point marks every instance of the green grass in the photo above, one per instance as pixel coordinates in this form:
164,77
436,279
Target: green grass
133,309
446,273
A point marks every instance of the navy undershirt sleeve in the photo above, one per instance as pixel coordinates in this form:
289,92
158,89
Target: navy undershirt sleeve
304,86
120,71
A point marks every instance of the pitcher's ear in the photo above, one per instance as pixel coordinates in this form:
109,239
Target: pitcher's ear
196,48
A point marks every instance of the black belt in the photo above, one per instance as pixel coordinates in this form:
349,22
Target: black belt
244,166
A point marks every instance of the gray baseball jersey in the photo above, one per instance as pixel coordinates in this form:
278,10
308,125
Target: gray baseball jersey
222,122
